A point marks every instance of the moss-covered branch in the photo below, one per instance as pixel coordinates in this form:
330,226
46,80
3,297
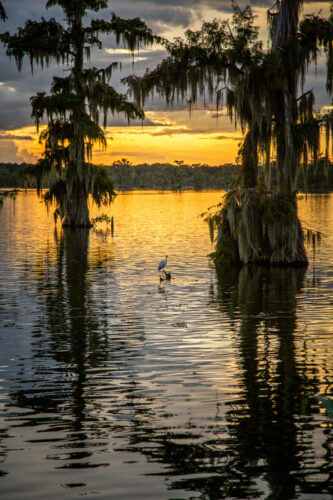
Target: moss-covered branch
133,33
40,41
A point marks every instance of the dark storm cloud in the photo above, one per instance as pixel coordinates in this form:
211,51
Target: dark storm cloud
160,15
152,14
15,111
167,11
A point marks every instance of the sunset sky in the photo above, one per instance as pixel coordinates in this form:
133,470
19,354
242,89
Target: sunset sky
167,134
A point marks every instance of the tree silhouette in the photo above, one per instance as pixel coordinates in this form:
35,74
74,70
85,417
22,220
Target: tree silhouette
226,62
75,103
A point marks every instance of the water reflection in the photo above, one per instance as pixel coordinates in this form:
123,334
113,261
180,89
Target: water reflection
80,385
258,445
116,384
269,425
69,330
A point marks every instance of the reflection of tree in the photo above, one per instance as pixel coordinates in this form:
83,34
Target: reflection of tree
259,446
69,331
83,353
7,193
265,423
70,339
86,374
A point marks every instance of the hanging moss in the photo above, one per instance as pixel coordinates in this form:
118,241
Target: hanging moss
226,62
76,102
226,250
39,173
278,208
58,194
258,226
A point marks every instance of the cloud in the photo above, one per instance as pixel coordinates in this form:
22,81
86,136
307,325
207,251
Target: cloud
147,122
28,157
9,152
176,131
193,131
170,131
168,17
222,137
121,122
13,137
15,109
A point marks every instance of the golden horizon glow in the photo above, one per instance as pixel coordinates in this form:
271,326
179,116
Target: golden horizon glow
176,136
196,139
169,134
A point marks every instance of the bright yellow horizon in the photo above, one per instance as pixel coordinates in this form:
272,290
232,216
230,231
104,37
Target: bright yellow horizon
200,138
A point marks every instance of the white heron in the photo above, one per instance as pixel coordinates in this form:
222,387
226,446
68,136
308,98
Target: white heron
162,264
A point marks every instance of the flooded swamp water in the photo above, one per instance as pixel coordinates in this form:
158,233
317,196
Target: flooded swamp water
116,385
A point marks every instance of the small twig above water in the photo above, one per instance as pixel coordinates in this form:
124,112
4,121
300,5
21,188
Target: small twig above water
104,218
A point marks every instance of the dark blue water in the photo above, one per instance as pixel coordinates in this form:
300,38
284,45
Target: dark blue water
114,385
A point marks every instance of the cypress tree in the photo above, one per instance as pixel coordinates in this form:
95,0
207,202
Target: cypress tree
76,102
259,88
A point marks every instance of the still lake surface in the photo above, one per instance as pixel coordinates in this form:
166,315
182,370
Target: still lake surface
114,385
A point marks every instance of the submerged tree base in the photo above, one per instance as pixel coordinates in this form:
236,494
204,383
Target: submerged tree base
77,216
259,227
77,223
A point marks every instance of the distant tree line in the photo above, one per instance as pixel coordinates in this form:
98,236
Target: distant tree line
127,176
10,177
177,177
165,176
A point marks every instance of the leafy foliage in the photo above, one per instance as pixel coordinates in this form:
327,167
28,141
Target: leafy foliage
101,218
76,102
226,62
161,176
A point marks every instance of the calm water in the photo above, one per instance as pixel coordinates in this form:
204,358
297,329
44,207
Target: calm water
116,386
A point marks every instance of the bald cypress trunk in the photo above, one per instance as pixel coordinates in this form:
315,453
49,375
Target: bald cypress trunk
285,41
77,213
249,165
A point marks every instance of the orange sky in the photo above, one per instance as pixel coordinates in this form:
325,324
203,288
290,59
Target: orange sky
201,138
171,134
